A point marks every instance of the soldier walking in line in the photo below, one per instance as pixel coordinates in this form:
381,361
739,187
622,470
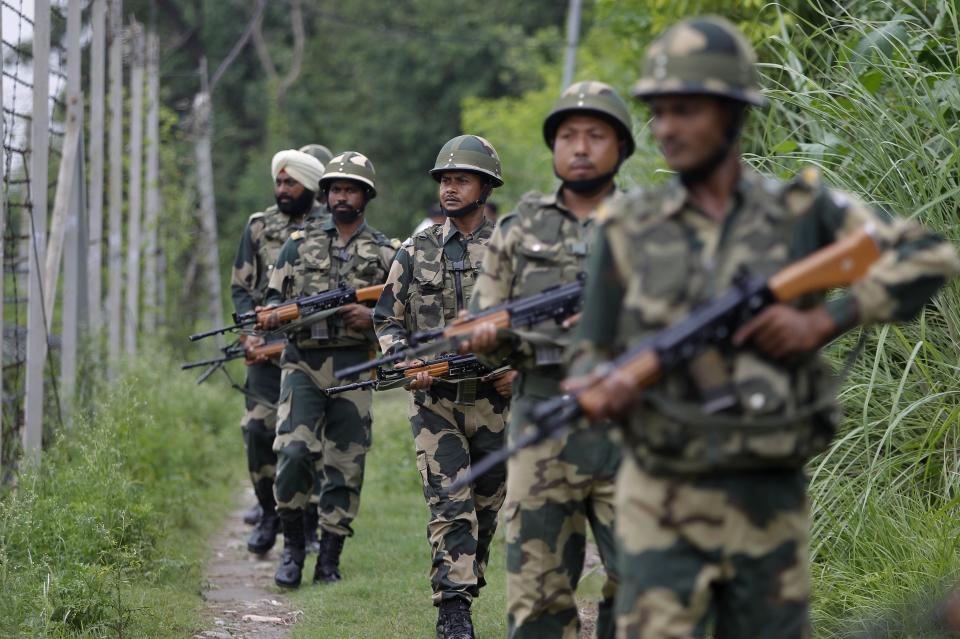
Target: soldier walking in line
320,435
296,178
711,497
557,487
454,423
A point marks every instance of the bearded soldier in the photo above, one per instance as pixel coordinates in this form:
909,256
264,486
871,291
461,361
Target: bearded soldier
329,436
454,423
296,178
557,487
711,497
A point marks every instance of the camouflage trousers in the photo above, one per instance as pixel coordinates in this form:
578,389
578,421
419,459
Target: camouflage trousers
554,489
448,437
259,425
321,437
721,556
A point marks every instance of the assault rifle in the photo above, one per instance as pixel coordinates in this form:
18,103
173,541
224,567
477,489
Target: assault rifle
556,303
236,350
450,367
297,309
836,265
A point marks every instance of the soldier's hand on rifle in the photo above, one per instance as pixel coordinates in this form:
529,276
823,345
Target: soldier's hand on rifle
782,330
422,380
483,340
272,321
619,389
503,384
250,343
357,316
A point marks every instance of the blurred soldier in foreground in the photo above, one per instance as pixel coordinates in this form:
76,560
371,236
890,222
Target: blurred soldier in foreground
296,177
555,488
329,436
454,423
711,496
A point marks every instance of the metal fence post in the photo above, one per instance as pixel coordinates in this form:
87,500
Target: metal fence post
134,206
115,263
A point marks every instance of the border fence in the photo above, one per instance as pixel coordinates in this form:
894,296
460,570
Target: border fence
73,287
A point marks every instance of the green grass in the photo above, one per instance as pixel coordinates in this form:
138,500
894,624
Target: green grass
386,587
108,537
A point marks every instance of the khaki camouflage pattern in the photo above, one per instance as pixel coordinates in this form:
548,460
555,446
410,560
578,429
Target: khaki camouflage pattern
454,423
321,437
591,98
727,551
558,487
469,153
448,436
659,258
711,513
313,261
350,165
702,55
421,290
259,425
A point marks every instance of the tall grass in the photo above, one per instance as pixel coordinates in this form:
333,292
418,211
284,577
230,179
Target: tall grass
105,539
875,104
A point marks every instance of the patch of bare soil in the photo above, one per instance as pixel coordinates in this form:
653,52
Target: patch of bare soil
242,601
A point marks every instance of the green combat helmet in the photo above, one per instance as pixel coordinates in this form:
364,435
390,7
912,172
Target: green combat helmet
591,98
704,55
318,151
350,165
469,153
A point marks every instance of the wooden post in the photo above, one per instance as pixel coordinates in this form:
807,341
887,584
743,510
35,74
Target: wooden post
115,262
150,301
134,195
203,125
95,190
75,235
39,154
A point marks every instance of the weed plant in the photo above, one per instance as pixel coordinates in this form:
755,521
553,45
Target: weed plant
105,538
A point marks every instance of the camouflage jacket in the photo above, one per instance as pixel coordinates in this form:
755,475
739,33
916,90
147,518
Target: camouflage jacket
539,245
313,261
260,244
657,256
430,281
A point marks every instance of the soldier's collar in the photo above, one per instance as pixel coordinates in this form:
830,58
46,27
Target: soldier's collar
329,226
677,196
448,231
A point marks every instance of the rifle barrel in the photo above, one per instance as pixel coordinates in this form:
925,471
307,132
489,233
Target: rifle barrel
216,331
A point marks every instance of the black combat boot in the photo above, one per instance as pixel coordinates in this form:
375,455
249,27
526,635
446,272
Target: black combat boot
454,622
251,516
311,520
328,559
264,535
290,570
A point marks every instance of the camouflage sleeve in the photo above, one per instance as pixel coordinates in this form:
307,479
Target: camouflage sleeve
493,287
243,281
596,334
282,274
389,313
914,263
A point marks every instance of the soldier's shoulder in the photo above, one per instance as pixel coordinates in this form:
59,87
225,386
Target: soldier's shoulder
807,192
635,204
532,202
298,235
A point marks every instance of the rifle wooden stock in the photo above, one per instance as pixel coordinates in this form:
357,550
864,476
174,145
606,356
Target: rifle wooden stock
644,370
272,350
276,316
435,370
839,264
369,293
500,319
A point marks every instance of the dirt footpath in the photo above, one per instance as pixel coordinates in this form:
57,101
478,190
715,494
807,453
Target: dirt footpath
242,601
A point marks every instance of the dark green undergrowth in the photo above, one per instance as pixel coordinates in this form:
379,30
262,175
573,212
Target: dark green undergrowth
107,537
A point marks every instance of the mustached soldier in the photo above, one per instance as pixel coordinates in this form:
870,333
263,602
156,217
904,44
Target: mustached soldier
317,434
296,179
453,423
557,487
711,506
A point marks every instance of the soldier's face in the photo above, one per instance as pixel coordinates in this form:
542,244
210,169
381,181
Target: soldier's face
345,196
688,128
286,189
459,189
585,147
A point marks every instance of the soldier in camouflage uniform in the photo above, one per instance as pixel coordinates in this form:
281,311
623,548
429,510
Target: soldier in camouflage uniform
712,506
557,487
329,436
260,245
453,423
